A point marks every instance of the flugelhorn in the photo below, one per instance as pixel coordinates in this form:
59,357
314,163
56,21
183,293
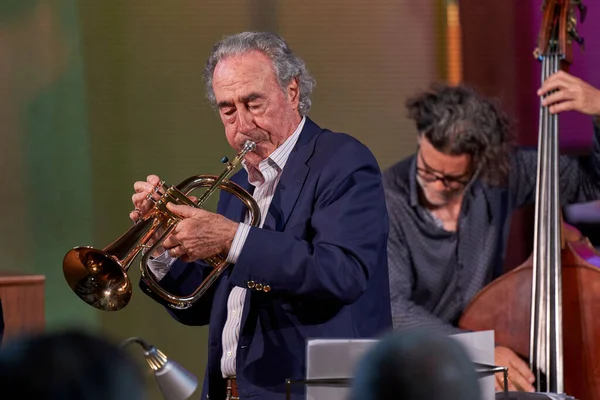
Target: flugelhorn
99,277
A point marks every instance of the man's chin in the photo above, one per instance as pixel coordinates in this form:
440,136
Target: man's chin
436,201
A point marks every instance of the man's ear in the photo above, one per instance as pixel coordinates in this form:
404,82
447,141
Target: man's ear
293,92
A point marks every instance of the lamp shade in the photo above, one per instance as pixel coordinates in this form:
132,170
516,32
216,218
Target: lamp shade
175,382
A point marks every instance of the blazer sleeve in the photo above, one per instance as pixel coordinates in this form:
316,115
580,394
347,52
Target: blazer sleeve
345,240
183,279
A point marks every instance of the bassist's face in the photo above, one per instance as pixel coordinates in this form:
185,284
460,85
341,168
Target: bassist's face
442,177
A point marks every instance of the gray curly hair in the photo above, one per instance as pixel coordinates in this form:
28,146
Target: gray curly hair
458,120
286,64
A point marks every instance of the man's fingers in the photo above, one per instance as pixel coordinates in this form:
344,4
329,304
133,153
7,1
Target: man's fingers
520,375
562,77
560,80
550,86
141,204
183,211
521,367
559,96
138,198
175,251
499,384
153,180
140,186
562,107
520,382
170,242
186,259
134,216
553,83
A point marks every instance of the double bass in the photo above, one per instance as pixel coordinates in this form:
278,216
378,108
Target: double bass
547,310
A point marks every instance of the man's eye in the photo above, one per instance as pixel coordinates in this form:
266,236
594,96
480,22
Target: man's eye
229,112
454,178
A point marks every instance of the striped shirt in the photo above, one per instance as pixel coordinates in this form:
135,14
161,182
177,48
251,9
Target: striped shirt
265,180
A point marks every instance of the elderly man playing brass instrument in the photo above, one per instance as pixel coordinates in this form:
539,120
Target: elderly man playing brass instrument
316,267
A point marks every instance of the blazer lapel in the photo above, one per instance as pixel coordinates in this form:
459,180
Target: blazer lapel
292,178
286,196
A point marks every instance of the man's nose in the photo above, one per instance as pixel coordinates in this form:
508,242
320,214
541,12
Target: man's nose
438,185
245,122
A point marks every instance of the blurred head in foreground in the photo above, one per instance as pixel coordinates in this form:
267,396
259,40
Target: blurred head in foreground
69,365
416,365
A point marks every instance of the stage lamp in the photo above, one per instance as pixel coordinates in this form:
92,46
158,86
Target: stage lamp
174,381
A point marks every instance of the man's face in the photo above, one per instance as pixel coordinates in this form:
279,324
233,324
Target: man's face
252,105
442,177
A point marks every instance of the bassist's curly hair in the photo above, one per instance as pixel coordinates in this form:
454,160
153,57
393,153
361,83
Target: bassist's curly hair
457,120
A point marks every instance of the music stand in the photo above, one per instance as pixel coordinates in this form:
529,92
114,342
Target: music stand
315,381
481,370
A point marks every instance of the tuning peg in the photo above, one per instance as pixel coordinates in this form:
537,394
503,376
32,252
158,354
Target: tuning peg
582,12
582,9
575,36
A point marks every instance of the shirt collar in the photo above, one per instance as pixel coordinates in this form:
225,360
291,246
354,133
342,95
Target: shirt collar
281,154
276,160
414,194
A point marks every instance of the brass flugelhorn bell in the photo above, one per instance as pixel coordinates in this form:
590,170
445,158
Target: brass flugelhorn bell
99,277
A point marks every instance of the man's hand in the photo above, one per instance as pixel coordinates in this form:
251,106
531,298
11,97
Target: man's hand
143,189
200,234
571,94
520,377
142,205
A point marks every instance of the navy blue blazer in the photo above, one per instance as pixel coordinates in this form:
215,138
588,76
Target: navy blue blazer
321,251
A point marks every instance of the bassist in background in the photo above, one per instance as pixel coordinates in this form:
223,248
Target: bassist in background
450,203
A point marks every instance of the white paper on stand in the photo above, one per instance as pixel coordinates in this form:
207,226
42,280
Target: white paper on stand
333,358
337,358
480,349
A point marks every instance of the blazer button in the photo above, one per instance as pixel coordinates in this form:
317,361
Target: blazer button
251,284
266,288
259,286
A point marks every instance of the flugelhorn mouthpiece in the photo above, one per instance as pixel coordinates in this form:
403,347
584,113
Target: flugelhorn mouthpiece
249,145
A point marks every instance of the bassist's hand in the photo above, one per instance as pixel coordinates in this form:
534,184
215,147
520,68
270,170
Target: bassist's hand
520,377
570,94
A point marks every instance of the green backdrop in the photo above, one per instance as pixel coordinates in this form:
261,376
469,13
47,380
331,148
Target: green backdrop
97,94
